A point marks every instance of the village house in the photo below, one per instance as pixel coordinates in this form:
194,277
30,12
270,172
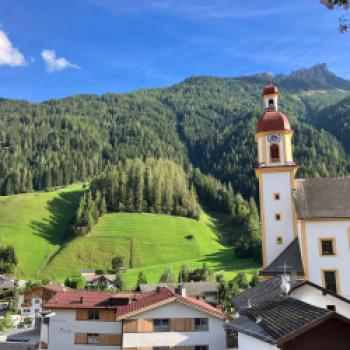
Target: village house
32,300
162,319
207,291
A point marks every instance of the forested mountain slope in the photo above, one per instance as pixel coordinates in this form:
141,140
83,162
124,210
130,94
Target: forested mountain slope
203,122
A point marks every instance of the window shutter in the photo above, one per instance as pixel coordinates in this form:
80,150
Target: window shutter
110,339
107,315
145,326
80,338
81,315
130,326
189,324
180,324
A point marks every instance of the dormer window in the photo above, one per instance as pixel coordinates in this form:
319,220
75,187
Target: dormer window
274,153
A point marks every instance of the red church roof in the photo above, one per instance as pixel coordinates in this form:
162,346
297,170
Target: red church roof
270,89
273,121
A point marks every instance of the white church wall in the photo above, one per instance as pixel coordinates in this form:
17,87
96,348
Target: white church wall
272,183
314,296
314,231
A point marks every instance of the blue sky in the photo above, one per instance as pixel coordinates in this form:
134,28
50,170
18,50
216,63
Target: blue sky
56,48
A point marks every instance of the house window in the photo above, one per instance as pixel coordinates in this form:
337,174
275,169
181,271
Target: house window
327,247
274,153
277,196
92,338
278,216
201,347
93,315
331,308
37,301
330,281
279,240
161,348
161,325
201,324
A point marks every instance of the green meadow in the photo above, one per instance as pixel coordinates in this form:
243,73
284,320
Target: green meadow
37,225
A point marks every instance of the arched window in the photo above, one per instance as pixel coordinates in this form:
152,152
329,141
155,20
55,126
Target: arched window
271,104
274,153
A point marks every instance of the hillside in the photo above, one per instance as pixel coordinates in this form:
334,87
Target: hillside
150,243
205,122
36,224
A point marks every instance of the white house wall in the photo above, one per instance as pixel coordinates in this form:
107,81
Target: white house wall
278,182
215,337
314,296
326,229
63,326
246,342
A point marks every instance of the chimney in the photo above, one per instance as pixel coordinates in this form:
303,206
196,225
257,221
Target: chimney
181,290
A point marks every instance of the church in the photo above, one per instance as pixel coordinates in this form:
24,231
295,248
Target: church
304,301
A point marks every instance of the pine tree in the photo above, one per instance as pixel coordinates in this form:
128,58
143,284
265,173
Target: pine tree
141,279
167,276
118,282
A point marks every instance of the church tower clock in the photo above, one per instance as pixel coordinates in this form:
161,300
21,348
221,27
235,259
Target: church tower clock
275,171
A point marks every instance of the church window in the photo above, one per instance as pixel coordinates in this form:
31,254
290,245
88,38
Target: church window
278,216
331,308
330,280
274,153
277,196
279,240
327,246
271,102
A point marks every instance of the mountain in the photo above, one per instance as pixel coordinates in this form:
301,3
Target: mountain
336,120
203,122
317,76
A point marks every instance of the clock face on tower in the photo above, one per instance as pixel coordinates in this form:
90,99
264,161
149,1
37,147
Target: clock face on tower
274,138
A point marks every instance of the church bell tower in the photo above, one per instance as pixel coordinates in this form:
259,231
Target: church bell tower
275,171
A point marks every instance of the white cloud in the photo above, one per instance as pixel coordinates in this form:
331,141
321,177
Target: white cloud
9,55
54,63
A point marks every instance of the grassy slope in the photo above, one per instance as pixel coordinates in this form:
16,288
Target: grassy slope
35,224
158,242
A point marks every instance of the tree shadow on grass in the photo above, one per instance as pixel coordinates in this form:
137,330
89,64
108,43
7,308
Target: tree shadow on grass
225,259
55,228
226,233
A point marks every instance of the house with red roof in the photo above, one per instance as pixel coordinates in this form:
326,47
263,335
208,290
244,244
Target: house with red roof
31,301
162,319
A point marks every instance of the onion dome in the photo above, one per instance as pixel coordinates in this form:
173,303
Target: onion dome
273,121
270,89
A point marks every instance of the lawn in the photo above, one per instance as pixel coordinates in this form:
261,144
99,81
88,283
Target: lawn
149,243
37,225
